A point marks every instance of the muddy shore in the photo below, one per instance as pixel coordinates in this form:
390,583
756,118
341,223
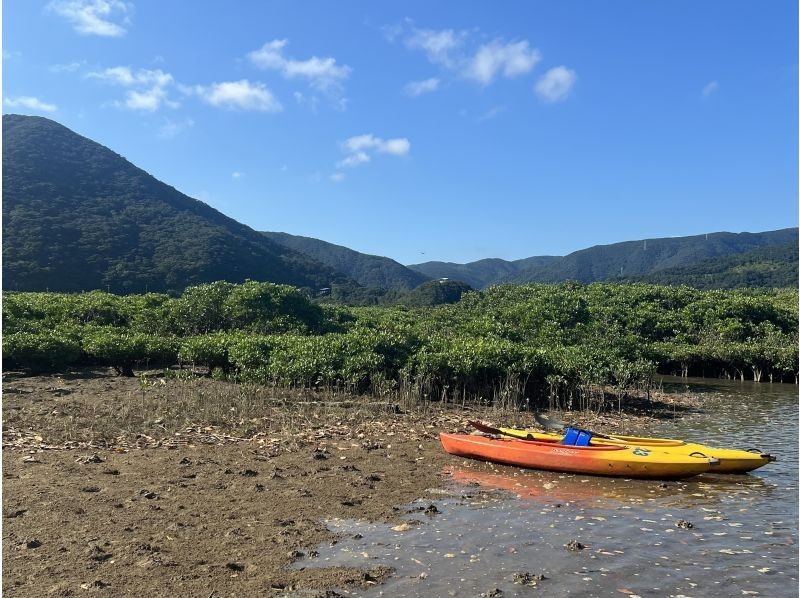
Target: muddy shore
167,486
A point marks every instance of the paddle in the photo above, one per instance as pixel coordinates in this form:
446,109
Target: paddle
521,435
490,430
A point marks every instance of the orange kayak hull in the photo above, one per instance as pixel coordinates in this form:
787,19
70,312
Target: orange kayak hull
605,460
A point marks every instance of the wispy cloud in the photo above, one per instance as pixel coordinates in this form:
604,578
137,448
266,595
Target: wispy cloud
29,103
417,88
337,177
321,73
509,59
94,17
9,54
237,175
460,53
439,46
491,113
148,88
171,129
556,84
361,147
710,88
239,95
68,67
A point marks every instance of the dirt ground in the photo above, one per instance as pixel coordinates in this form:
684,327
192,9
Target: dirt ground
164,486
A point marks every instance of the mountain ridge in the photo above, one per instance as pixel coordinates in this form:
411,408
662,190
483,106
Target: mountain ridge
607,262
79,216
367,270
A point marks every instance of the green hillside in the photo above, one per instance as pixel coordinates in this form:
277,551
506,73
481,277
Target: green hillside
367,270
77,216
609,262
767,267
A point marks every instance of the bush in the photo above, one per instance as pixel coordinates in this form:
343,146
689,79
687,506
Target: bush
40,351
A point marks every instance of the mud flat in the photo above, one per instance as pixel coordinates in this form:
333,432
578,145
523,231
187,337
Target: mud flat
165,486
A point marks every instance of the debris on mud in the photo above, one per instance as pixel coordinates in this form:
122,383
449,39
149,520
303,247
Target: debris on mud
528,579
574,546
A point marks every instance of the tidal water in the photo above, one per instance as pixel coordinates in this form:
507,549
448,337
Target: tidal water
712,535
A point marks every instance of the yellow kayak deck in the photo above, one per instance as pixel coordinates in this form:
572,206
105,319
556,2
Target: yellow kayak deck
730,460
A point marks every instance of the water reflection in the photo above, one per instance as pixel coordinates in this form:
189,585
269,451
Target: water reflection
547,487
725,535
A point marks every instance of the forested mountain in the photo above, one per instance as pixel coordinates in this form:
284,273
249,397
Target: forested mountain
77,216
606,262
367,270
480,274
766,267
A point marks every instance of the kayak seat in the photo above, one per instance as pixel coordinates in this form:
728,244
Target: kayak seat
576,437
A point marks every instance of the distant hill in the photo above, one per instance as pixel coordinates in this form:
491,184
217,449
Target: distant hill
480,274
766,267
432,292
605,262
77,216
367,270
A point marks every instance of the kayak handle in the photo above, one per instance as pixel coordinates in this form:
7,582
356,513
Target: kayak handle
698,454
762,453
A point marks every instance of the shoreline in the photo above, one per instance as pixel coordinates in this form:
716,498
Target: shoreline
110,484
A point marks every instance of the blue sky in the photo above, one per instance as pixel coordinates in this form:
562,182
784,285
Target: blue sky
419,130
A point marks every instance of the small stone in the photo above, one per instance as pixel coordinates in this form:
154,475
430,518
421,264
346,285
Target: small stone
33,543
234,566
248,473
683,524
574,546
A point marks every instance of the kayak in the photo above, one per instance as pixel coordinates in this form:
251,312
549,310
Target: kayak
607,460
730,460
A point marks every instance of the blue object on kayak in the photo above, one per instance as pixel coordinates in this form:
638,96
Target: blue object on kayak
577,437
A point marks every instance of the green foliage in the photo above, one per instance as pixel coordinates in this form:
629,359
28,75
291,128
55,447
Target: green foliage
40,350
123,349
766,267
553,341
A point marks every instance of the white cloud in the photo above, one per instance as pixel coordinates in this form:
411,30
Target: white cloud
322,73
511,59
360,146
437,45
93,17
69,67
123,75
710,88
236,174
452,50
149,87
241,95
148,100
172,129
555,85
354,159
337,177
8,54
30,103
417,88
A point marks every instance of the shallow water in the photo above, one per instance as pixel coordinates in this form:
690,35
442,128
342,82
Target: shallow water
490,526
